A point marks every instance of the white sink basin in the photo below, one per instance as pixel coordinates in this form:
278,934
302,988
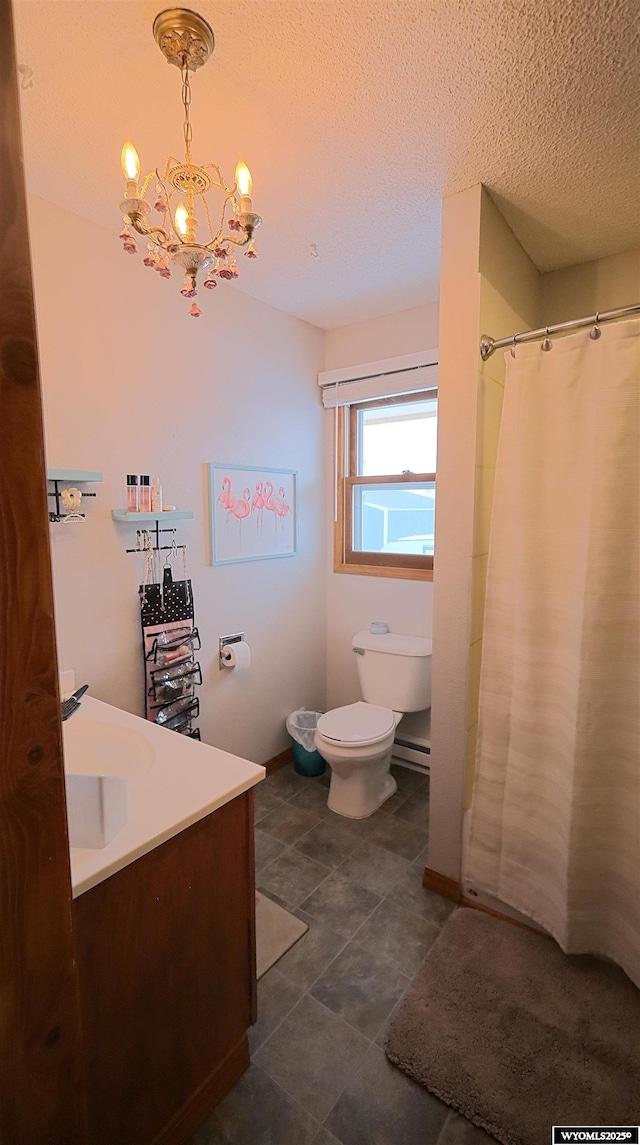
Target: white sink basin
92,747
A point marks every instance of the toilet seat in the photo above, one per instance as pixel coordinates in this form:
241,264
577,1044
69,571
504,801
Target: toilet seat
357,725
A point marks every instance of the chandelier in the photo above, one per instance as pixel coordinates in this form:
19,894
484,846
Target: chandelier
181,188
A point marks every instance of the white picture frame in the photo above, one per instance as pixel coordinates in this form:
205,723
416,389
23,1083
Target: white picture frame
253,513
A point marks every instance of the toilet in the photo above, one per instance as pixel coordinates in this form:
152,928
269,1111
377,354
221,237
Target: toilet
357,740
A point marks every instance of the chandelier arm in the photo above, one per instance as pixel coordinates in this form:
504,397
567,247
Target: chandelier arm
238,242
229,191
139,224
145,185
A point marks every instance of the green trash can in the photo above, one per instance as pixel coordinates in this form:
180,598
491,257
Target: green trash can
301,726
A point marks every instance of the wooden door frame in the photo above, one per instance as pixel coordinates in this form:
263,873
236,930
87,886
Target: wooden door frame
42,1098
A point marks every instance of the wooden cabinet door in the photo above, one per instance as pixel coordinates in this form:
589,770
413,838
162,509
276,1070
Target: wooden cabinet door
167,977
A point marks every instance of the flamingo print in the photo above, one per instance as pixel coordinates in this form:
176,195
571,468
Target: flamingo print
241,507
257,505
226,498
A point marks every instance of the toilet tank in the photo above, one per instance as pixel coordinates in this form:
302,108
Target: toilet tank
394,670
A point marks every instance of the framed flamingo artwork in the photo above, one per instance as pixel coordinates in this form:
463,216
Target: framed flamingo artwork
253,513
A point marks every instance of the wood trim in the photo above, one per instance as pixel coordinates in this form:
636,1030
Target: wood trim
210,1094
279,761
251,908
470,902
397,399
382,570
40,1033
449,888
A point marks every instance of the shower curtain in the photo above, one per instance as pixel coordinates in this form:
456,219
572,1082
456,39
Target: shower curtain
555,821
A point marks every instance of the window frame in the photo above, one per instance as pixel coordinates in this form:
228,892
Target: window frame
408,566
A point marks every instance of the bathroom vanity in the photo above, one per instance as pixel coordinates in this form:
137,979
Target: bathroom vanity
164,924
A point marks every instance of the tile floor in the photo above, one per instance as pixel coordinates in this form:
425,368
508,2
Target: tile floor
319,1075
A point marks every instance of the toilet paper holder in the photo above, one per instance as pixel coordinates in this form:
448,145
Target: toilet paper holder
223,643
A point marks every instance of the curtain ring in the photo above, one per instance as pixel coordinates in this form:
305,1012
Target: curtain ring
546,341
512,351
595,330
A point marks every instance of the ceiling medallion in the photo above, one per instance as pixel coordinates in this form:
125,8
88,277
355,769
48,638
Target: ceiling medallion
187,41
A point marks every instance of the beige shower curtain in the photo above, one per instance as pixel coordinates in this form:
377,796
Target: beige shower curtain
555,823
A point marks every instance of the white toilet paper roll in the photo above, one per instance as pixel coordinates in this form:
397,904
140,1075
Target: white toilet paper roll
237,656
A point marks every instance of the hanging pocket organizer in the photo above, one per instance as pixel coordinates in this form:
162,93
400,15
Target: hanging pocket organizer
169,640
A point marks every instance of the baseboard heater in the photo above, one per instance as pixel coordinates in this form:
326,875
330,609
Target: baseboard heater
415,753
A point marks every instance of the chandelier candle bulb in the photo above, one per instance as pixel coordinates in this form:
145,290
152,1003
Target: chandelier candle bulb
245,186
130,168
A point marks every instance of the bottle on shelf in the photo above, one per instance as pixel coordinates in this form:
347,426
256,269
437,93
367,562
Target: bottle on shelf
133,497
156,495
145,493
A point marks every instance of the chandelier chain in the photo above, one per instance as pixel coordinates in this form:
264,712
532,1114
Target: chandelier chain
186,102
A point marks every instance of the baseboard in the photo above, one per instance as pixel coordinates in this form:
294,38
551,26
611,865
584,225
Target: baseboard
498,914
443,885
204,1100
279,761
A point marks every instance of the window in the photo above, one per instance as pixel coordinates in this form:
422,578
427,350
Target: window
387,486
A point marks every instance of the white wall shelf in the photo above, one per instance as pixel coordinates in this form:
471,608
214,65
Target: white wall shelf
140,518
73,475
70,477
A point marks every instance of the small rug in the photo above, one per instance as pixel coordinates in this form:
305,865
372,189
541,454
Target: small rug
516,1035
276,932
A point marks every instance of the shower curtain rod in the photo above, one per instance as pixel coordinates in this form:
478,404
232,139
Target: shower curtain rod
488,345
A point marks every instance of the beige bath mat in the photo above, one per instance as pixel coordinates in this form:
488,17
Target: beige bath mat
516,1035
276,932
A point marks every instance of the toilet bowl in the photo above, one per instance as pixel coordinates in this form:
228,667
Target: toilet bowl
357,740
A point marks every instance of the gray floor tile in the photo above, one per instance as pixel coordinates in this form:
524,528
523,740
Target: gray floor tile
325,1138
409,892
276,898
398,935
382,1034
288,823
415,810
360,987
285,782
392,803
422,857
291,876
313,797
311,955
409,782
341,904
257,1112
330,841
374,867
458,1131
382,1105
277,995
402,838
267,848
312,1055
264,801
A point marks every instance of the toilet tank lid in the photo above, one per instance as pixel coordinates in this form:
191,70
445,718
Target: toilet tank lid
393,642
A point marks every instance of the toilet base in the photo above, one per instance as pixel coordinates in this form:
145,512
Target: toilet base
362,792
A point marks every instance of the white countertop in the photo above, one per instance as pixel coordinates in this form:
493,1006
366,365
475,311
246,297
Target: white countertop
179,781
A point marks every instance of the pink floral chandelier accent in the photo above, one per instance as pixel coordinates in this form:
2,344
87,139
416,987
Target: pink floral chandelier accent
181,187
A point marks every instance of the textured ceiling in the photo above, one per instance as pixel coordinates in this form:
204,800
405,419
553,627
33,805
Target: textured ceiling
355,118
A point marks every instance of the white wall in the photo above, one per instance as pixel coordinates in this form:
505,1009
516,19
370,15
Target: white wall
354,601
604,284
133,384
